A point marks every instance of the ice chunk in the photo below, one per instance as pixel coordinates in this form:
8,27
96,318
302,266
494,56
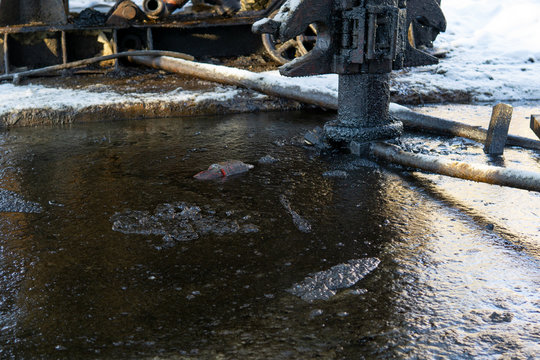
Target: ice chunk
325,284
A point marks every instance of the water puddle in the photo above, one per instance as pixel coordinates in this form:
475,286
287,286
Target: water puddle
302,256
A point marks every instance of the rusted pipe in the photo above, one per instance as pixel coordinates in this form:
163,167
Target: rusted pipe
64,47
520,179
158,9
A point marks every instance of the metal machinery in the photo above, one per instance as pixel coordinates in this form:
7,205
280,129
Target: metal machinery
36,33
362,41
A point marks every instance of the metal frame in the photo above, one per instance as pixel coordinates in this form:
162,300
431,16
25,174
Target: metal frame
178,22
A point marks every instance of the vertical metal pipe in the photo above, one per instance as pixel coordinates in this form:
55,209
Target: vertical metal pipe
149,39
6,54
66,7
363,112
115,48
64,48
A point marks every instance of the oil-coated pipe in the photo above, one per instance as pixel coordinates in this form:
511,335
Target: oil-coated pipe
520,179
232,76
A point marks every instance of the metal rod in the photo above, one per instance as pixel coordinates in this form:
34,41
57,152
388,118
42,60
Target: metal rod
115,48
520,179
66,7
93,60
149,39
6,54
64,48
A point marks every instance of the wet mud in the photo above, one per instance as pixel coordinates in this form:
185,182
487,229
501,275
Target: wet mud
131,257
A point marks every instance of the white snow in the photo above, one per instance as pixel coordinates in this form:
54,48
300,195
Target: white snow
494,53
35,96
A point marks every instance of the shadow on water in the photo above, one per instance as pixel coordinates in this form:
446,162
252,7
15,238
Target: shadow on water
72,287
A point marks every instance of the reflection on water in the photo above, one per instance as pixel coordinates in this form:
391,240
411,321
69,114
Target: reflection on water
71,286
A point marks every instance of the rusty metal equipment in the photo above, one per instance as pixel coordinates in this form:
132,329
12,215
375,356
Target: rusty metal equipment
42,33
362,41
161,8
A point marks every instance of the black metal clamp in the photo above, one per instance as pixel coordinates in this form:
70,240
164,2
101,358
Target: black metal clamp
362,41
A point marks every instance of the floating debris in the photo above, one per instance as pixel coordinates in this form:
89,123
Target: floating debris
325,284
13,202
267,159
340,174
223,169
357,292
301,224
178,222
316,138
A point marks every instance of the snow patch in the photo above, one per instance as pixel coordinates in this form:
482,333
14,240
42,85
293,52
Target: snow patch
36,96
494,52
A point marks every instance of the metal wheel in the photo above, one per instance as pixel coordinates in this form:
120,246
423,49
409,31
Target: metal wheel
283,52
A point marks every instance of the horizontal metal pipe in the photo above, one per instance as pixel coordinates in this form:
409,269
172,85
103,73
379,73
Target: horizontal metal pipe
520,179
415,121
231,76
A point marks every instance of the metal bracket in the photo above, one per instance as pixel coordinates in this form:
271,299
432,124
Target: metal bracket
382,32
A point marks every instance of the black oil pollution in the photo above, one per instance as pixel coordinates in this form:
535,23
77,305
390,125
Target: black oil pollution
110,249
